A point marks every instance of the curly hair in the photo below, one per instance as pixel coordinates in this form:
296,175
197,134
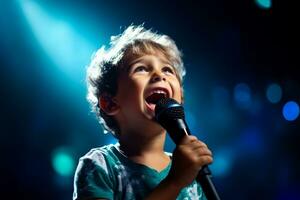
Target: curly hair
103,71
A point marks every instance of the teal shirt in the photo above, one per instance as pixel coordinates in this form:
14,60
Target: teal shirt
106,173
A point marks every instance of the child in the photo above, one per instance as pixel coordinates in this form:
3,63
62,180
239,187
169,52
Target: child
124,83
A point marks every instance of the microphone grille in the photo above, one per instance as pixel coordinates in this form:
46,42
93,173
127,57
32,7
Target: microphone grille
168,108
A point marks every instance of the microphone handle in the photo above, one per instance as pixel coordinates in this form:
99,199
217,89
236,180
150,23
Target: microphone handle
204,178
204,175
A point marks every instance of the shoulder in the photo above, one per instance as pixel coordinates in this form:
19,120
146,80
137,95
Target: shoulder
97,157
93,176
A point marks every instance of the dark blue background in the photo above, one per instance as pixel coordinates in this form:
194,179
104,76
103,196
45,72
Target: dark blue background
46,45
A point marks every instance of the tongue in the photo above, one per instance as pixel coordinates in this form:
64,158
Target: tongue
152,106
153,99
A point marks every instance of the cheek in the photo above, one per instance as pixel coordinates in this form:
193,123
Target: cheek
124,92
179,96
178,91
130,89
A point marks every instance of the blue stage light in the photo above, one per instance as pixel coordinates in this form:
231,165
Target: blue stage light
63,163
290,111
59,39
274,93
264,4
251,141
222,162
242,95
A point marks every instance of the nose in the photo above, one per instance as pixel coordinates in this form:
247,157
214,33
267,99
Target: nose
157,76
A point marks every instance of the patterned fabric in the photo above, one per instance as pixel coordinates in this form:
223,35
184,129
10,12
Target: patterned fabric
106,173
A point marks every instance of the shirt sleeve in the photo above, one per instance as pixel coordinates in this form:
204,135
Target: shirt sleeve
92,181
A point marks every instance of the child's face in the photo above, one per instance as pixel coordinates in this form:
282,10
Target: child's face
145,80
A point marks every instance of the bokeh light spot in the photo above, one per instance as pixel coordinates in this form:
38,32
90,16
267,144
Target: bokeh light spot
290,111
264,4
274,93
63,163
251,141
222,162
242,95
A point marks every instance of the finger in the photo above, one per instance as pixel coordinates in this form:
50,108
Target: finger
202,151
205,160
192,138
187,139
198,144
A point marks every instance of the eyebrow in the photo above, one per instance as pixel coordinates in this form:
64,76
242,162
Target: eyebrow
134,62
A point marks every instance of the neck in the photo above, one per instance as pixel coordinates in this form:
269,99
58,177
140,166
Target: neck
148,151
136,144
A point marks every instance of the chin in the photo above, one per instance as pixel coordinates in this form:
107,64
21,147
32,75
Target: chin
154,128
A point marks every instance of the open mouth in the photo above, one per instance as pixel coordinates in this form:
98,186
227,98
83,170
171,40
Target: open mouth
155,96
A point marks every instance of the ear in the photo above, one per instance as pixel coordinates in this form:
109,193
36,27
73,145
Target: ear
108,105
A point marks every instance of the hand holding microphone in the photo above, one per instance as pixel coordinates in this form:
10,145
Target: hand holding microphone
190,155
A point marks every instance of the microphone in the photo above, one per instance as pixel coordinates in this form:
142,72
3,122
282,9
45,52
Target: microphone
170,115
